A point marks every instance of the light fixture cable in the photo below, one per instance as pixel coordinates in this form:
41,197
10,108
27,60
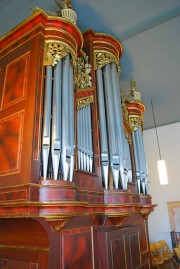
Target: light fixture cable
156,130
160,163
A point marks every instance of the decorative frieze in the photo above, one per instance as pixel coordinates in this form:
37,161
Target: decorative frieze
102,58
82,102
55,50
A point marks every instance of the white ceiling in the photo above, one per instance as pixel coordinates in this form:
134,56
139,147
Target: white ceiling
149,31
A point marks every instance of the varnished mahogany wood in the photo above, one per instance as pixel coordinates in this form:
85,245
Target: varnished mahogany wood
54,224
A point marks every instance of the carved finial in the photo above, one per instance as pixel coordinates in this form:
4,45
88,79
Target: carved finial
133,86
62,4
64,8
133,91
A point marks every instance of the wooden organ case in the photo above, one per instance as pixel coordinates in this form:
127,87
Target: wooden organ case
73,179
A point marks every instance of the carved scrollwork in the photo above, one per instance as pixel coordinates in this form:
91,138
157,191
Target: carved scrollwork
83,77
54,51
103,58
82,102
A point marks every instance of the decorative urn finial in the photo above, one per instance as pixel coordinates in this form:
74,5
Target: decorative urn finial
64,8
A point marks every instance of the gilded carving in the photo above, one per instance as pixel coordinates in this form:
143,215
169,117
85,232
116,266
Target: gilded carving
82,102
83,77
103,58
56,50
58,224
124,108
135,121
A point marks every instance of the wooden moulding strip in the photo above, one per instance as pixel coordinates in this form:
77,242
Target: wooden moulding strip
29,248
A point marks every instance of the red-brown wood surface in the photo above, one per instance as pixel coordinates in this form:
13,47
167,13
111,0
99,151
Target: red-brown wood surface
53,224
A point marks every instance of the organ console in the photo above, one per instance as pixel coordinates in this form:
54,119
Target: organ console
73,174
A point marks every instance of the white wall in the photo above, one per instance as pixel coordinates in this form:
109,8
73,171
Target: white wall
169,140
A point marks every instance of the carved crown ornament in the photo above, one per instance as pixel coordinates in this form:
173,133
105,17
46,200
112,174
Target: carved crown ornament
132,107
101,58
56,50
83,79
64,9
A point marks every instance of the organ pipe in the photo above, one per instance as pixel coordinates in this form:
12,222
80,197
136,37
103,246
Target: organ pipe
84,139
47,120
112,127
71,121
66,149
56,119
119,123
103,127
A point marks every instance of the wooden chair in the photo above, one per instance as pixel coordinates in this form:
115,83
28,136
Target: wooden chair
156,260
167,252
177,253
166,258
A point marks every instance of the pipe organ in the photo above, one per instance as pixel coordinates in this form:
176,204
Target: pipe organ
73,173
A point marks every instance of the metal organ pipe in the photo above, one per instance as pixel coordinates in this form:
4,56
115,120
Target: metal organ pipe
103,128
47,120
84,138
90,138
66,150
56,120
141,169
119,123
87,138
71,121
136,160
112,126
79,138
137,141
126,163
143,160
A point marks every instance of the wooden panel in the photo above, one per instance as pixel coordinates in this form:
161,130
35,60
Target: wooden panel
116,248
10,143
118,253
23,233
15,85
77,249
134,250
13,264
21,90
